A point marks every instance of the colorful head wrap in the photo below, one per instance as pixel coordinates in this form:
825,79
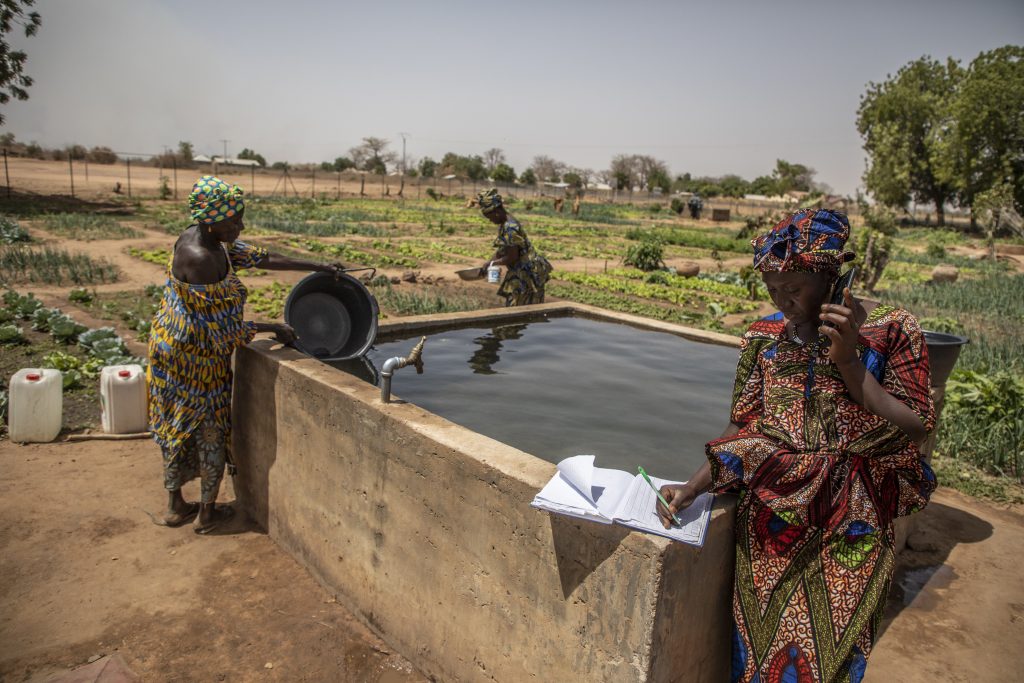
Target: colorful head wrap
489,200
212,200
809,240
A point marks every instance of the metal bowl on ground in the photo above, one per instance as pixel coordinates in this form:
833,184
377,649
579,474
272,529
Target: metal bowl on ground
470,274
334,318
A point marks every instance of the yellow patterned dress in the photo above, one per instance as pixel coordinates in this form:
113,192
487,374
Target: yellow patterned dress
190,345
525,280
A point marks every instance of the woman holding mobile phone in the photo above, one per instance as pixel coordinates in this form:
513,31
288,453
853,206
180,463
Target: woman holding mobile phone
830,403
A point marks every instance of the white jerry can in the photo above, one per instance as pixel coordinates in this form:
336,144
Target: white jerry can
36,405
123,399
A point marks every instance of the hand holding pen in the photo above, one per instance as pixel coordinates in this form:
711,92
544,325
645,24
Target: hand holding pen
671,499
665,511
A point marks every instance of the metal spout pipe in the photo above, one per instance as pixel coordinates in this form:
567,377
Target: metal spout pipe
415,358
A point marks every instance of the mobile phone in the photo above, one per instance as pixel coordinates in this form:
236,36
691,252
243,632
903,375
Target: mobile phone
845,280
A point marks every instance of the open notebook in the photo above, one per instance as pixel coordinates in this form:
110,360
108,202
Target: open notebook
579,489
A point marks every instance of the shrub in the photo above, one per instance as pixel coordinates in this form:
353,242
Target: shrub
678,205
10,334
11,231
647,255
80,295
983,420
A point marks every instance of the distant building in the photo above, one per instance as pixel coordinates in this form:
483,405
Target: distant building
202,159
233,161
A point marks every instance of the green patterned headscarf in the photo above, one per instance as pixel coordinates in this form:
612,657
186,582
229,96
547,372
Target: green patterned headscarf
212,200
489,200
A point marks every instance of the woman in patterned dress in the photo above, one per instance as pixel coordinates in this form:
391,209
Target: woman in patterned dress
527,271
829,406
198,326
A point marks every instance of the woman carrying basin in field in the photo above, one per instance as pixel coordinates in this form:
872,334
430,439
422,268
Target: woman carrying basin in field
527,271
830,403
198,326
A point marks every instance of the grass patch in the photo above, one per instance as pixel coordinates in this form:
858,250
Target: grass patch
972,480
402,302
87,227
49,265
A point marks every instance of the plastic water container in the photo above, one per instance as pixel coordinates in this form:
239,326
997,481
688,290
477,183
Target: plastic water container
123,399
493,274
36,407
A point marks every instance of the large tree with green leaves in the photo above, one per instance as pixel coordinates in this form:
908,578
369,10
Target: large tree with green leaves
906,122
13,80
987,148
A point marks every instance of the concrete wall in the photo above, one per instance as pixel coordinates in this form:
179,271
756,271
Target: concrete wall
424,529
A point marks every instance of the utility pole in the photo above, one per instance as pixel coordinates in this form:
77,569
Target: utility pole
404,136
225,148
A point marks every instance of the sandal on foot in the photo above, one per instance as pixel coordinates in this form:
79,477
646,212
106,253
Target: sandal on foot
220,515
176,519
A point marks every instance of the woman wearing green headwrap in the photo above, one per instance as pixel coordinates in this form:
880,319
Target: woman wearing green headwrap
193,335
527,271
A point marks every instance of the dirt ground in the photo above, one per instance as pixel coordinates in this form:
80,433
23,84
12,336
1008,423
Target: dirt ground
84,572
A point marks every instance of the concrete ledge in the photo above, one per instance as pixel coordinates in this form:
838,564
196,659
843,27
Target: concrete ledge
423,528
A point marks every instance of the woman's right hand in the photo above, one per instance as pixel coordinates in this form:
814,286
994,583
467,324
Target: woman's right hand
284,333
679,497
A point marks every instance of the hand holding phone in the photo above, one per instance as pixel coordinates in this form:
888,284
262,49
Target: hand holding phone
840,326
842,284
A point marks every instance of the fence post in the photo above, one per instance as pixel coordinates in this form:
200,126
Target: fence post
339,185
7,174
174,166
252,181
312,193
71,174
128,164
362,185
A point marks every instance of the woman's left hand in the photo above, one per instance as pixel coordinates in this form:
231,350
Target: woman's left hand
842,329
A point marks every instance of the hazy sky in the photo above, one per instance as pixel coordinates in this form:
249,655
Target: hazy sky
710,88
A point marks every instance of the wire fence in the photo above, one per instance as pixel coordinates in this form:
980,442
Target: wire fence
139,178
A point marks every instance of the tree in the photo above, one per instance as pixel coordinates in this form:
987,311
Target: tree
13,80
547,169
185,151
733,186
528,177
428,167
373,155
986,147
623,172
503,173
636,170
906,123
252,156
471,167
764,185
573,179
492,158
789,176
342,164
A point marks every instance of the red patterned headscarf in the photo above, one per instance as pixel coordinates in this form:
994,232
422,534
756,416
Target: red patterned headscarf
808,240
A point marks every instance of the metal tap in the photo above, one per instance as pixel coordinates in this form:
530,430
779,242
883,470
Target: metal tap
415,358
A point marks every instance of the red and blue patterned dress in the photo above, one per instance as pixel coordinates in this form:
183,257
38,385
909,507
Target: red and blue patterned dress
820,481
190,345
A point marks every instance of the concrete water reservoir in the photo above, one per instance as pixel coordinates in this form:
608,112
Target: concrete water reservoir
422,526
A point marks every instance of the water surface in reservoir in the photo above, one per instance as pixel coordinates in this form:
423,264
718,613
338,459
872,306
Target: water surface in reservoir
564,386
